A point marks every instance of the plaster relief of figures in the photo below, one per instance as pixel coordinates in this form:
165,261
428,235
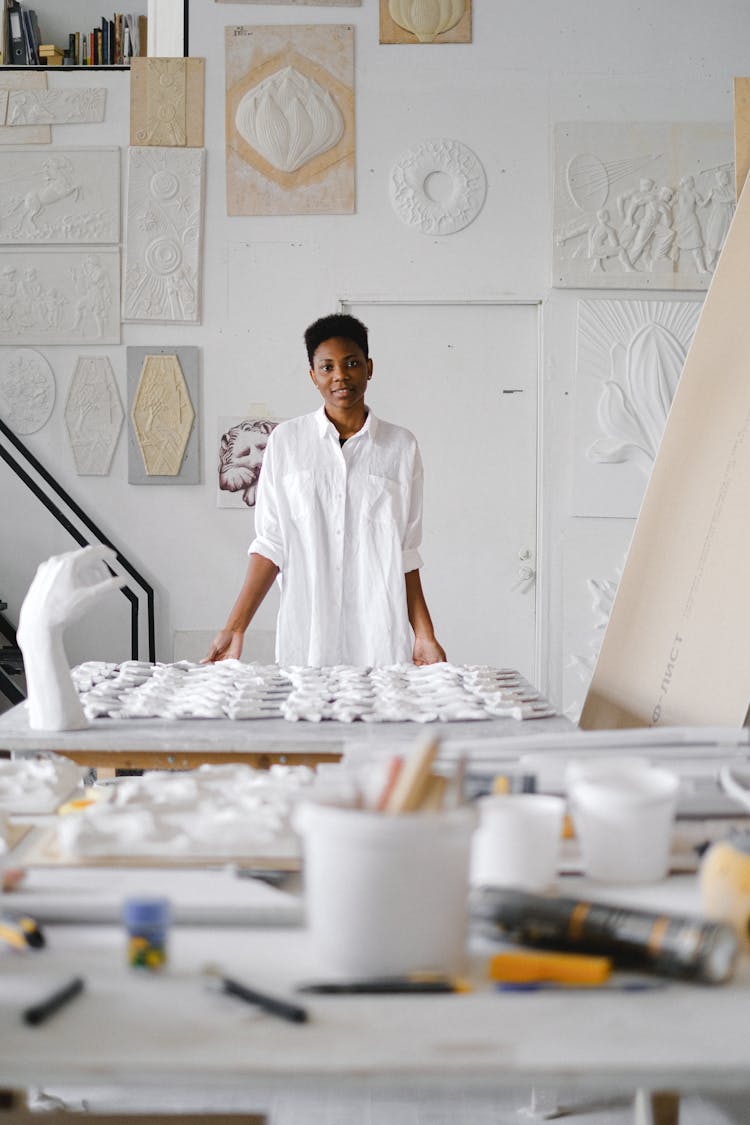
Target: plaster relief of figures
290,120
60,296
166,102
93,415
22,134
602,595
162,410
55,107
27,390
66,195
242,443
415,198
630,358
425,21
641,206
163,236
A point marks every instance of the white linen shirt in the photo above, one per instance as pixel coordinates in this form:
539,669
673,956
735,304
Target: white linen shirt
343,524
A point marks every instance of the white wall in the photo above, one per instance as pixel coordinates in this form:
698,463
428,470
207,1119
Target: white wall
529,66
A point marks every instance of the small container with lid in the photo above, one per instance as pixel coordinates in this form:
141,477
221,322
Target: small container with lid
147,923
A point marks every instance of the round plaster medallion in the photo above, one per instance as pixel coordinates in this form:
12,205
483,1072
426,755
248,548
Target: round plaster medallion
27,391
451,165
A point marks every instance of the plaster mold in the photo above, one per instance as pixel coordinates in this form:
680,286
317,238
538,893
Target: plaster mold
93,415
290,120
242,442
17,80
641,206
59,296
27,390
418,205
162,409
164,234
166,101
630,357
34,786
55,107
162,415
425,21
68,195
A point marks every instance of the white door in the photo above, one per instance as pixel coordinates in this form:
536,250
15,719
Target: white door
463,378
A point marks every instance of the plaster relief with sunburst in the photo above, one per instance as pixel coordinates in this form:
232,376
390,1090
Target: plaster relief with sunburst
163,237
629,361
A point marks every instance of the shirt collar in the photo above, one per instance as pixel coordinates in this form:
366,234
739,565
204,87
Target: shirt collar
325,425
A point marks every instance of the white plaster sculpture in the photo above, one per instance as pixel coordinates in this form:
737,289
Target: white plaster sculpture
93,415
27,390
60,296
630,357
55,107
70,195
289,119
645,206
64,588
163,237
426,18
417,203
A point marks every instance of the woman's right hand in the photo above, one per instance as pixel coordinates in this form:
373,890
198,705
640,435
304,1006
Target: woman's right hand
226,645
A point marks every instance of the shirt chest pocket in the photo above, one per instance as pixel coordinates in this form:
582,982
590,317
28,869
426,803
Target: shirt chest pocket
300,493
383,501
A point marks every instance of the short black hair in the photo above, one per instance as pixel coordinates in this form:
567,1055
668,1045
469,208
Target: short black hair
336,326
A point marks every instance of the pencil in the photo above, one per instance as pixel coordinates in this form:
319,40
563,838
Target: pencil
40,1012
271,1004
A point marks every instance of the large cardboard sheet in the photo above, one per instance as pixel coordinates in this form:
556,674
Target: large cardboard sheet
676,648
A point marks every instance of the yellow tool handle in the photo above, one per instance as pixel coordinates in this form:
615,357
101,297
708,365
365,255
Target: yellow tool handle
528,965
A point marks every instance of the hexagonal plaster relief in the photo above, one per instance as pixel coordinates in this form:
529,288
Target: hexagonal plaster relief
93,415
162,415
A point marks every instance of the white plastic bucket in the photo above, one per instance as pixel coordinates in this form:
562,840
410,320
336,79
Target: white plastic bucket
386,894
517,843
624,824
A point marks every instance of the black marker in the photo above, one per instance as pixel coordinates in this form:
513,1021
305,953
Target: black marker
274,1005
40,1012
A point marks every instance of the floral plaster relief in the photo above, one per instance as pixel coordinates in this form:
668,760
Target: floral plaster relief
166,102
290,120
163,239
27,390
630,358
641,206
411,194
68,195
15,80
60,296
425,21
93,415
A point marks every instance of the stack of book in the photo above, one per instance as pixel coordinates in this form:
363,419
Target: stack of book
112,44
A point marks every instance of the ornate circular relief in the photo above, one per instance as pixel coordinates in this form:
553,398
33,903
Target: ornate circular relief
418,204
164,185
163,255
27,391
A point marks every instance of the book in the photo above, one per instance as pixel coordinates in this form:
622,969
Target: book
16,32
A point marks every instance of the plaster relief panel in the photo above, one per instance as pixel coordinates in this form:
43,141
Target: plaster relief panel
65,195
630,356
162,413
17,80
242,443
93,415
55,107
163,237
27,390
166,102
438,187
641,206
60,296
425,21
290,120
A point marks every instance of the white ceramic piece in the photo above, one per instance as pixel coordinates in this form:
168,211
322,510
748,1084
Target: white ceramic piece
517,843
60,296
426,18
416,200
27,390
93,415
55,107
289,119
71,195
164,233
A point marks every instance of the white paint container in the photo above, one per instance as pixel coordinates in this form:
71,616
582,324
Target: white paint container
624,823
517,843
386,894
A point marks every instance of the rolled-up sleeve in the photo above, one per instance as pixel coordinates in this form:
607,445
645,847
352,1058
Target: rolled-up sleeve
268,539
412,560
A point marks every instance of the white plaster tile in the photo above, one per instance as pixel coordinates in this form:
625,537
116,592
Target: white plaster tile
27,390
93,415
55,107
60,296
